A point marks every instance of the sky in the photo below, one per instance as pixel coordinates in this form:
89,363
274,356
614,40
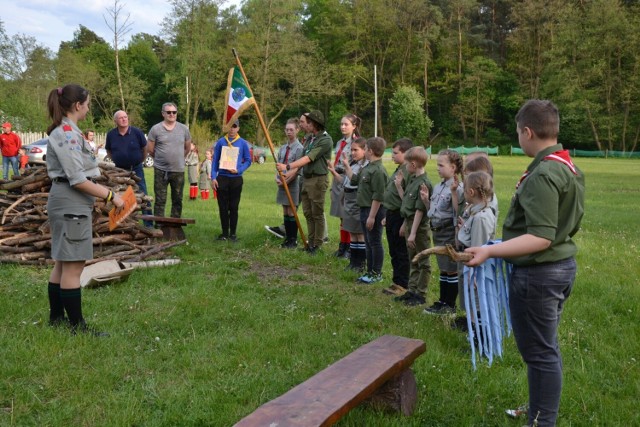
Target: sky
54,21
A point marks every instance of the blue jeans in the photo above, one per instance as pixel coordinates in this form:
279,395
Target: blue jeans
537,295
373,240
5,165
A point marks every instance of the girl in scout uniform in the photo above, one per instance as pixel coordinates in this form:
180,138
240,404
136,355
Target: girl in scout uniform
71,165
191,161
289,153
351,210
478,221
443,212
204,181
350,129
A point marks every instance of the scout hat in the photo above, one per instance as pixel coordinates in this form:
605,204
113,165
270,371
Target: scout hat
316,116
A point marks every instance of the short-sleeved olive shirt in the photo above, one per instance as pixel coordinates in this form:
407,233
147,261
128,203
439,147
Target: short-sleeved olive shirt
371,182
392,200
548,203
411,202
319,152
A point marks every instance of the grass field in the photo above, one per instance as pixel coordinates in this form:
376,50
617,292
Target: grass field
233,326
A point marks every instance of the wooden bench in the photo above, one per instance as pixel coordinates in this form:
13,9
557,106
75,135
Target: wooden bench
171,227
378,372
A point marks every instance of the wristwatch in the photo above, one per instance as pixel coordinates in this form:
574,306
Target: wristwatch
288,167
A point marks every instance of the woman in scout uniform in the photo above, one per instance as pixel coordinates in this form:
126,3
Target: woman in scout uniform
350,129
71,165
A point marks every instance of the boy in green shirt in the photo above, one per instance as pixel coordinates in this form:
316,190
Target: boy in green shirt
545,214
416,226
371,182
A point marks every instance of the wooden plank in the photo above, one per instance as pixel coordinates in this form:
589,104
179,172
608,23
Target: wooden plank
327,396
167,219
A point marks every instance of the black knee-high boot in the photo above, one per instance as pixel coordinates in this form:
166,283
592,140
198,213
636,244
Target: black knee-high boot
72,300
56,308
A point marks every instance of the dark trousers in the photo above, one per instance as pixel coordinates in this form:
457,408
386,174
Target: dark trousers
161,180
373,240
397,249
229,191
537,295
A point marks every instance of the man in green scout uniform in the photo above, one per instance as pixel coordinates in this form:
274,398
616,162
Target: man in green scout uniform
316,181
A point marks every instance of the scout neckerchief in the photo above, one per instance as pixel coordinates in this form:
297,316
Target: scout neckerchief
561,156
230,143
343,143
311,142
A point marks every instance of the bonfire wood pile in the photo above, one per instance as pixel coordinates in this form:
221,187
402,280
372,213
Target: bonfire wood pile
24,227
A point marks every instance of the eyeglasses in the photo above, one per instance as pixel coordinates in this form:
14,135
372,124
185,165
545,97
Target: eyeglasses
171,112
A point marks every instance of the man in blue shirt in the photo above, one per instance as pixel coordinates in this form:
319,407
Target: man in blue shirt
127,147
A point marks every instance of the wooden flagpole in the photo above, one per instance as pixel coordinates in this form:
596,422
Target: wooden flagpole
273,153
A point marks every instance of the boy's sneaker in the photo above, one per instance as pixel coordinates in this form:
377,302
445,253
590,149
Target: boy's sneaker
222,237
440,308
276,231
518,412
404,297
370,278
410,299
415,300
394,290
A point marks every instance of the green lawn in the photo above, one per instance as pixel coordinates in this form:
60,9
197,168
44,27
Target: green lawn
206,342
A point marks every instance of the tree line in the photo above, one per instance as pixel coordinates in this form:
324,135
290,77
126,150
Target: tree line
465,65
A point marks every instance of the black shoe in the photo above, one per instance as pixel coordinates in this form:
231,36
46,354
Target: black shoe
233,238
59,322
460,323
222,237
83,328
356,268
341,250
289,244
440,308
325,240
414,300
276,231
312,250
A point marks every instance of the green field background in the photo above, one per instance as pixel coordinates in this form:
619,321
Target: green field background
206,342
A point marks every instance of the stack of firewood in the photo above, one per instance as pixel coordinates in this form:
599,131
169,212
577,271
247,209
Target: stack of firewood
24,227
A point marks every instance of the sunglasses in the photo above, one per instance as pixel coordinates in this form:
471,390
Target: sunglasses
234,126
171,112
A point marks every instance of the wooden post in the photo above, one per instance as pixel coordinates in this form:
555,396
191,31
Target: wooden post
273,153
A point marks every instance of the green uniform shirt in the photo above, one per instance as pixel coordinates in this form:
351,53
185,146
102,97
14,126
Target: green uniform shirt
411,202
548,203
371,182
319,151
392,200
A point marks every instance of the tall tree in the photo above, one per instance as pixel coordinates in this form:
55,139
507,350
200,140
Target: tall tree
120,27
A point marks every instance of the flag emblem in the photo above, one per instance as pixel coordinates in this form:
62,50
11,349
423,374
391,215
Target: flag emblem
238,98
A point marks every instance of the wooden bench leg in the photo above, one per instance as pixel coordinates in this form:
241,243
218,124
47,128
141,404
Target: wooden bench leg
172,232
399,394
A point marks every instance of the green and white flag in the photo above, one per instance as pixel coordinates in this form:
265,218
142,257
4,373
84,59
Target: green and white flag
239,98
